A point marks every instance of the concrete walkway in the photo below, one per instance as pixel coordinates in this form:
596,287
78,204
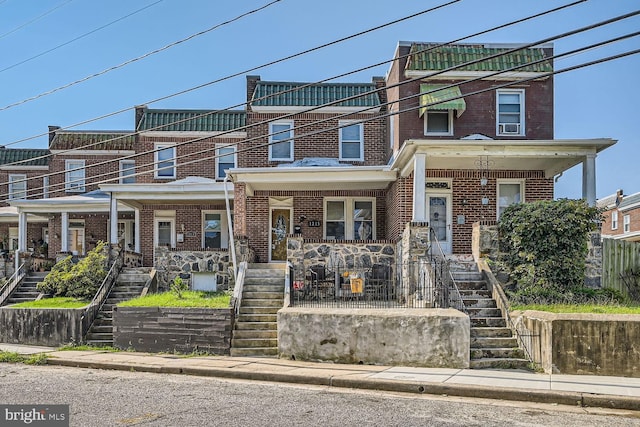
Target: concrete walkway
583,390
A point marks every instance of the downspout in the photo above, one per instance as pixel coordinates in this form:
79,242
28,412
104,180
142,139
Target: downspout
232,245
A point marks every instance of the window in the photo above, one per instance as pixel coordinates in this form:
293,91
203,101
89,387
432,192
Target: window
214,229
281,131
225,159
438,122
351,141
165,161
614,220
350,219
74,175
626,223
165,232
510,112
17,186
127,171
508,194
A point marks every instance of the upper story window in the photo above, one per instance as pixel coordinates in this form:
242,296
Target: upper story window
74,175
225,159
350,218
438,122
351,141
281,140
626,223
127,171
18,186
510,112
509,193
165,161
614,220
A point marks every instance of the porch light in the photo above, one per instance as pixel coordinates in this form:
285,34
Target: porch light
485,200
483,181
464,202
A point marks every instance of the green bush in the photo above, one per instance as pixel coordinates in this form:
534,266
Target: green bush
80,280
543,248
178,286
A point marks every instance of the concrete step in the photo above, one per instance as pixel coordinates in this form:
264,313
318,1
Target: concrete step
255,334
241,326
257,318
497,353
490,332
259,310
101,329
467,275
254,342
261,280
471,285
261,295
475,293
493,342
124,295
472,302
484,312
251,287
275,302
488,321
254,352
100,336
100,343
499,363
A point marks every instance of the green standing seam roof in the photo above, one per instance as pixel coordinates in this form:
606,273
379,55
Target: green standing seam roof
22,155
92,140
442,99
192,120
267,94
444,57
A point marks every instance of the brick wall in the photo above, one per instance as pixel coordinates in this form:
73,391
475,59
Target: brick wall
634,222
93,174
34,183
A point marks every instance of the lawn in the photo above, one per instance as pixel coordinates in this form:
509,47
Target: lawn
189,299
581,308
55,302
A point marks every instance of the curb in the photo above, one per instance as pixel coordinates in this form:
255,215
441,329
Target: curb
461,390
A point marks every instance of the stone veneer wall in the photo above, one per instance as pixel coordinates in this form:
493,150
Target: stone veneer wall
170,264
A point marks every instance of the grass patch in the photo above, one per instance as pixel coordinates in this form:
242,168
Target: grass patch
32,359
189,299
580,308
55,302
72,347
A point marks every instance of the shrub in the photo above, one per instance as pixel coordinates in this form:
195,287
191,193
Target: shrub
178,286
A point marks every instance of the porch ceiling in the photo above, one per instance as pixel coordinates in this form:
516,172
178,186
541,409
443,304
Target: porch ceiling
550,156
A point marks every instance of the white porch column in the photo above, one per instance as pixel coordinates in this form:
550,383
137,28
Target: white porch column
419,188
64,233
113,221
22,231
589,179
136,227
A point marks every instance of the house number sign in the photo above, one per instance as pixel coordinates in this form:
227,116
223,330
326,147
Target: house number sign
313,223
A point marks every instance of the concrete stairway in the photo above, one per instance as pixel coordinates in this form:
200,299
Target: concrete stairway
256,329
27,290
492,342
128,285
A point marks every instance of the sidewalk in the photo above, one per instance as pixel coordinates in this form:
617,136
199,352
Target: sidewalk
583,390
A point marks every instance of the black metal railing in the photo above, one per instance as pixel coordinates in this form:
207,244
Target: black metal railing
446,292
12,283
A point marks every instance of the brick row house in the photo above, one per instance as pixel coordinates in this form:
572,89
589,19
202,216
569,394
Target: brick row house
621,216
315,171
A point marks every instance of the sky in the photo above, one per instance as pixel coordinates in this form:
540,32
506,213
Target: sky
593,102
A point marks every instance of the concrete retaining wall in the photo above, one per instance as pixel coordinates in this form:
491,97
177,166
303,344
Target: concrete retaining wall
172,329
40,326
429,338
593,344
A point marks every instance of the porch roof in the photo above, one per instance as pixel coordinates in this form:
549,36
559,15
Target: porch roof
93,201
314,178
550,156
192,189
10,214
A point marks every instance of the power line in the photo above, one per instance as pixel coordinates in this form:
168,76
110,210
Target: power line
146,55
79,37
239,73
514,22
37,18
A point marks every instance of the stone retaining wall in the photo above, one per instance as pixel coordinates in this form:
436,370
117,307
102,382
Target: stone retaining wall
49,327
174,330
172,263
429,338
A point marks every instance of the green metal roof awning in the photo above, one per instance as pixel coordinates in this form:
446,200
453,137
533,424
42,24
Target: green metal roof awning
441,99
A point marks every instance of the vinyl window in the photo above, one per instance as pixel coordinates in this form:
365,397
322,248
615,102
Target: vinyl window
281,141
74,176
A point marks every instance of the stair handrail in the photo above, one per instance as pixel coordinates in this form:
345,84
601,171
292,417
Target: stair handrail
452,285
151,284
13,283
94,307
497,293
238,287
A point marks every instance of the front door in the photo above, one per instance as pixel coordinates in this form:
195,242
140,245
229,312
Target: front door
280,229
76,238
439,214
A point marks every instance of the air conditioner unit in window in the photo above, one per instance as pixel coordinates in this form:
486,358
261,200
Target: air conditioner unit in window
509,128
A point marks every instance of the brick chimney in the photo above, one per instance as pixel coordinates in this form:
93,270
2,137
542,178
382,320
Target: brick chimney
52,133
252,82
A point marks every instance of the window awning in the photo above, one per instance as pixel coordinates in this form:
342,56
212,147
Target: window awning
441,99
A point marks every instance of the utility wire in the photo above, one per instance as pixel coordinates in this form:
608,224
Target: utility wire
511,23
146,55
79,37
37,18
249,70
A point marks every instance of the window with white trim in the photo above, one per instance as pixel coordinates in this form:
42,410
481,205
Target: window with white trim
215,232
351,141
614,220
127,171
509,193
165,229
225,159
17,186
626,223
165,161
350,218
438,122
281,140
510,112
74,176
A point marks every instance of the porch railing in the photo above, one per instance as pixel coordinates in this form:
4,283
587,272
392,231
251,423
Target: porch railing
92,310
13,283
238,287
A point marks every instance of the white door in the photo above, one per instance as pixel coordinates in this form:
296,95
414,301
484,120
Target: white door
439,214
